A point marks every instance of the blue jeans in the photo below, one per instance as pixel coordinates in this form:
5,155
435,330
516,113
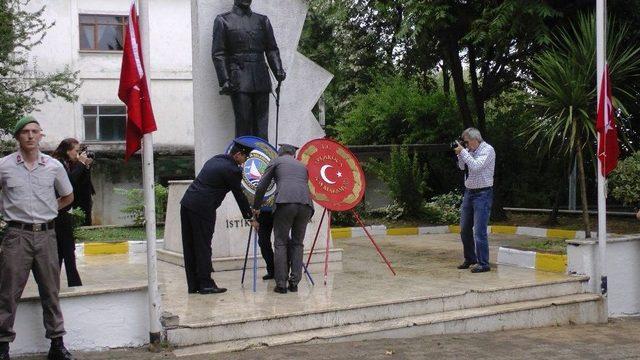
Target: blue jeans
474,219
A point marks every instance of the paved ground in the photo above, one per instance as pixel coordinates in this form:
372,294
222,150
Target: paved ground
619,339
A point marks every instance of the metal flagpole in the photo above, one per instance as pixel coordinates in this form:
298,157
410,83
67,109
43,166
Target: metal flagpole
601,51
155,328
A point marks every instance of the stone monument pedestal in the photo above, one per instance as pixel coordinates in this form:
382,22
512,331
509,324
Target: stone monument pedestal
232,231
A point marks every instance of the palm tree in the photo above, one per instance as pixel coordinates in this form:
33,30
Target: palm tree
564,89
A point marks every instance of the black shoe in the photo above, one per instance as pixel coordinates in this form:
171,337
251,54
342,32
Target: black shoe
4,351
280,290
211,290
191,291
465,265
480,269
267,277
58,351
293,287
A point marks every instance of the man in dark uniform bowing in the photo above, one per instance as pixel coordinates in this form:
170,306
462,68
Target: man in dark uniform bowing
218,176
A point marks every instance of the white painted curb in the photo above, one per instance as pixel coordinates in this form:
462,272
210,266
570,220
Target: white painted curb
138,246
513,257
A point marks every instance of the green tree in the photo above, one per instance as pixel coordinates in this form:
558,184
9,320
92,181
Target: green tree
482,46
564,83
492,39
396,110
22,86
624,181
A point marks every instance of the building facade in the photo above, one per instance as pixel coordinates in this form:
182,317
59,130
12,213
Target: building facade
87,36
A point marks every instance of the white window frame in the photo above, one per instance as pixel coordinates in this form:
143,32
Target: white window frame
98,116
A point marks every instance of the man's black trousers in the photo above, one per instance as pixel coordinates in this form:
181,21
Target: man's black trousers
196,244
265,219
67,247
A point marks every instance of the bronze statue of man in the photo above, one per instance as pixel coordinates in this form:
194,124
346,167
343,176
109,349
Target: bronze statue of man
241,39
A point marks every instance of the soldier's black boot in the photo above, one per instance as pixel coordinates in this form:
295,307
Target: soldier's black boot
58,351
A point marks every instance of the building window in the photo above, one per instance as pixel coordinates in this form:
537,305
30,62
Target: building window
102,32
104,123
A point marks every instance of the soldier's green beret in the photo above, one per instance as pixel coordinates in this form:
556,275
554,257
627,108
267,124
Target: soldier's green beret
23,122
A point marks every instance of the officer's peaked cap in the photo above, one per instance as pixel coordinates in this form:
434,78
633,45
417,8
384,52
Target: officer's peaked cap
242,145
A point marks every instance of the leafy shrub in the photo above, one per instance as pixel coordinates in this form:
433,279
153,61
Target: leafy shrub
134,208
406,180
443,209
624,181
346,218
78,217
393,211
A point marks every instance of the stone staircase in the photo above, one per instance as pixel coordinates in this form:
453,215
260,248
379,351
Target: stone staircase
551,303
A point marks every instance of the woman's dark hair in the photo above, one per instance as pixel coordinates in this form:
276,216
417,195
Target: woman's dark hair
65,145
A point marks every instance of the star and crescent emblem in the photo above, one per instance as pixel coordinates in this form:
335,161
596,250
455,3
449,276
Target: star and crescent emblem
255,166
336,180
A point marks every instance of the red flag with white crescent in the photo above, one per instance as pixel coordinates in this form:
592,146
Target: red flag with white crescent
608,149
133,90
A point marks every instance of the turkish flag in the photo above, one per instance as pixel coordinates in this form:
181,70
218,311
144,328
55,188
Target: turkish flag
608,149
133,90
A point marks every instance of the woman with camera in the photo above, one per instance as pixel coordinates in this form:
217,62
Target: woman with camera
77,165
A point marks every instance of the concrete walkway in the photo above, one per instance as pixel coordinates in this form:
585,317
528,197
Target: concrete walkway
619,339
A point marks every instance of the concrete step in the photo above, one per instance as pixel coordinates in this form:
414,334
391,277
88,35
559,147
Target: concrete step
561,310
288,323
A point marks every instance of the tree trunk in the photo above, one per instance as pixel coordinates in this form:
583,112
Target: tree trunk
446,79
583,192
553,215
455,65
478,98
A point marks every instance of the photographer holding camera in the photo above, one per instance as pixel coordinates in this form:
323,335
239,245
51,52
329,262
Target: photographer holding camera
477,159
83,187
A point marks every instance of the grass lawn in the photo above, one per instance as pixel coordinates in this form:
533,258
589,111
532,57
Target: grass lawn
547,245
115,234
615,224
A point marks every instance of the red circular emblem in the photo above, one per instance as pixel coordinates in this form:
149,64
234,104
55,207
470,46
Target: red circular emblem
336,179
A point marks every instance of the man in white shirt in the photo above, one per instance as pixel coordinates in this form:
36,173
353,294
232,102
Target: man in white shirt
478,159
31,183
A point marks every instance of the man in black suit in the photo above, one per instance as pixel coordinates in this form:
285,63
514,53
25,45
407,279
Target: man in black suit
218,176
241,39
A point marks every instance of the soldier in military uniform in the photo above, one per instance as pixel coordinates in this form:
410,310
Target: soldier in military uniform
241,39
198,206
30,181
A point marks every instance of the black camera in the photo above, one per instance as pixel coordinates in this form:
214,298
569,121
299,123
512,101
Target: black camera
88,153
454,144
